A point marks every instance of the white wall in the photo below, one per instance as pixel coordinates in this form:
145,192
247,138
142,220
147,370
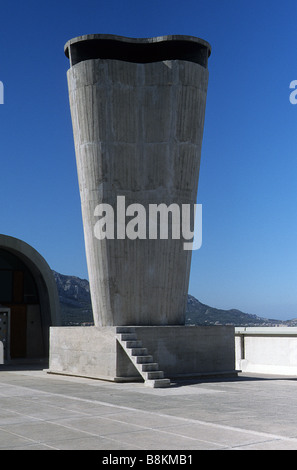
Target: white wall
266,350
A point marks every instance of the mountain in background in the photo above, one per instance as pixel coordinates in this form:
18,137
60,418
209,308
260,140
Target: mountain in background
201,314
76,308
75,300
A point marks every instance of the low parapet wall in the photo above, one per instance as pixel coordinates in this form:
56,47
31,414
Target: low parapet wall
266,350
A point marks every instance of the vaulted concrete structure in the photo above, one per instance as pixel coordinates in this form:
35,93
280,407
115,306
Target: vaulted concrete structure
29,302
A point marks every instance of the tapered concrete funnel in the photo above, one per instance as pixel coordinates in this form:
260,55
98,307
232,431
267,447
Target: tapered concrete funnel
137,109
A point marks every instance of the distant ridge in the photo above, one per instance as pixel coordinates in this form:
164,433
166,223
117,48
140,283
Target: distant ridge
201,314
76,308
75,299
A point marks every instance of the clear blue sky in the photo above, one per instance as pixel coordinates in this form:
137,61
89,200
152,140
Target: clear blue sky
248,177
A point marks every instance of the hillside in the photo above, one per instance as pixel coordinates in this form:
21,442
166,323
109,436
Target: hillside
76,308
201,314
75,299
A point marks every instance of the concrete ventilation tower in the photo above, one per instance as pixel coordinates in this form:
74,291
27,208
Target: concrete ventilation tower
137,108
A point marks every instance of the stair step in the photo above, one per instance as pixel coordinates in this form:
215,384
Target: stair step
127,336
157,383
149,366
138,351
125,329
155,374
144,359
133,344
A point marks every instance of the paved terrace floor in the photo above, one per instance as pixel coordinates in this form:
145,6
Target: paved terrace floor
44,411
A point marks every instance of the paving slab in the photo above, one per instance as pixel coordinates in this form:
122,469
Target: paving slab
42,411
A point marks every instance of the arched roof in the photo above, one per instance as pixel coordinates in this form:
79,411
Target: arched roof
42,274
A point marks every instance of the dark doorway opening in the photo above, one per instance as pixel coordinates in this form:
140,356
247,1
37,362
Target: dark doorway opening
19,293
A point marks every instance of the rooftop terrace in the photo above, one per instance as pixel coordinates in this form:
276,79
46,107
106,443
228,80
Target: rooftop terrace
45,411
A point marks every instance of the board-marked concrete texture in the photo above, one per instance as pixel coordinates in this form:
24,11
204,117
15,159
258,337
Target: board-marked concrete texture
137,111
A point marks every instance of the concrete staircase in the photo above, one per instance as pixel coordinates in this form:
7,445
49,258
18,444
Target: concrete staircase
149,370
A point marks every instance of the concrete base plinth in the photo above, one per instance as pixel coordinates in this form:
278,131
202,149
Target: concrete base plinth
179,351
